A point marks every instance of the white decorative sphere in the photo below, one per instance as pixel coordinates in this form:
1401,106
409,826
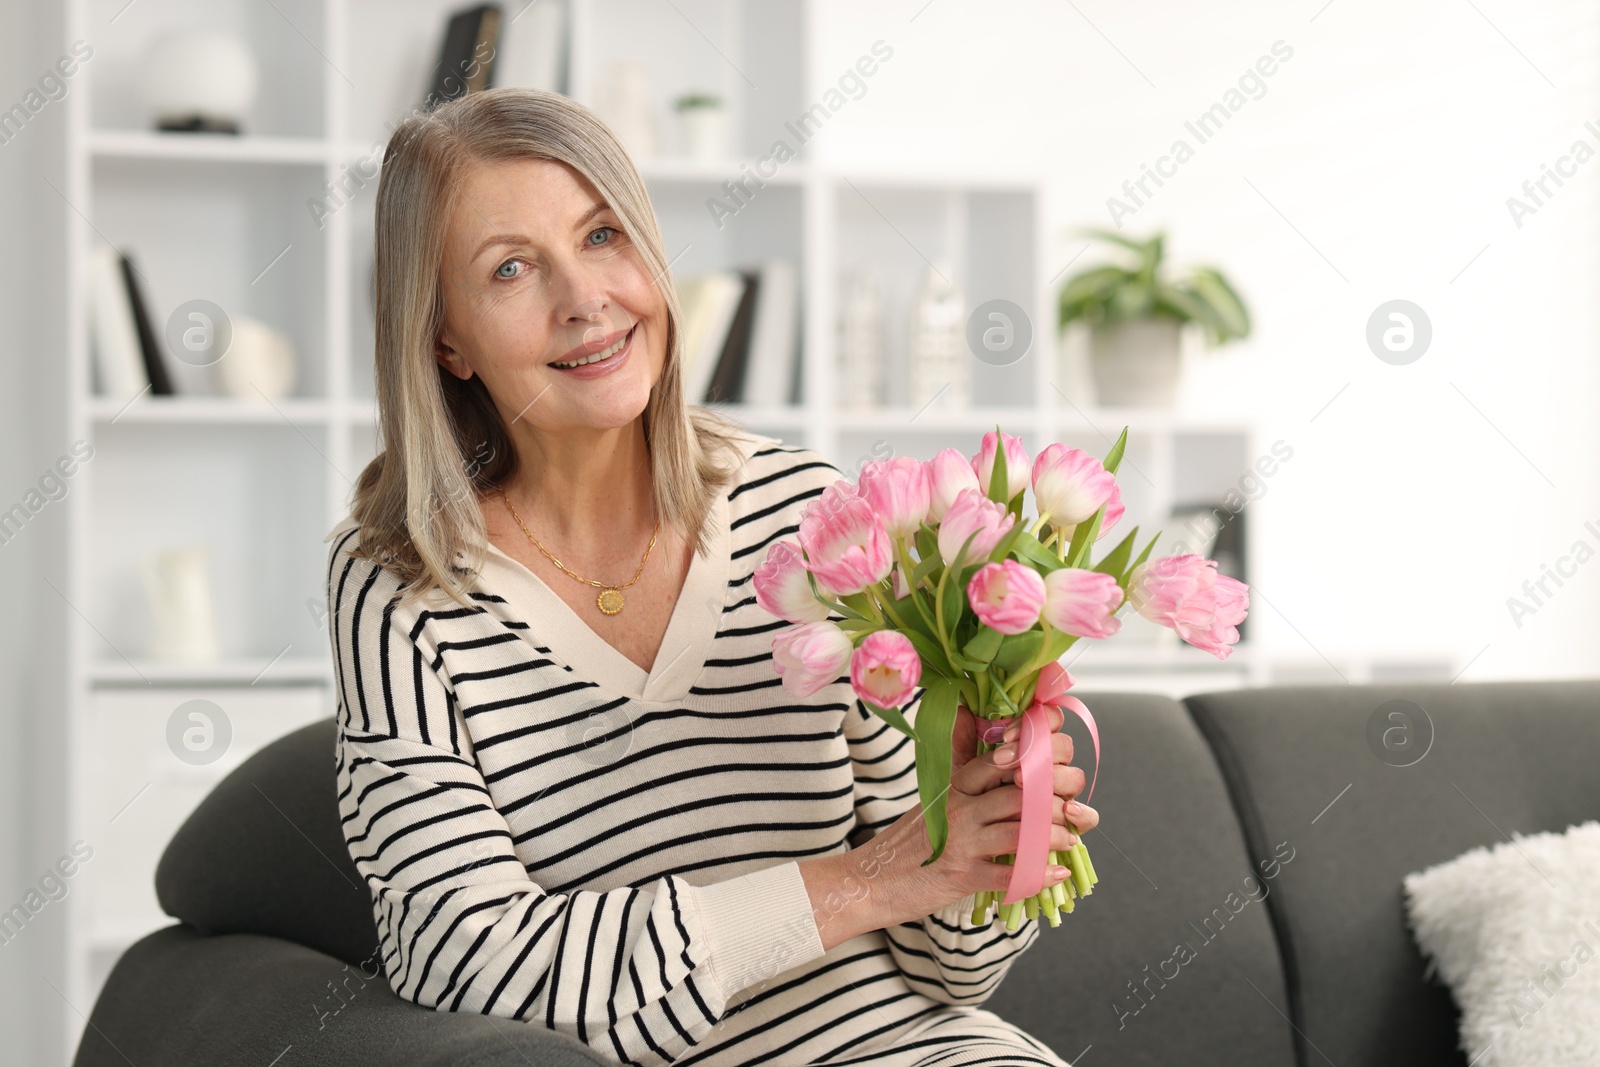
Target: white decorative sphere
199,77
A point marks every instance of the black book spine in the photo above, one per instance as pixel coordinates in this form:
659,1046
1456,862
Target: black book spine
467,54
727,383
149,347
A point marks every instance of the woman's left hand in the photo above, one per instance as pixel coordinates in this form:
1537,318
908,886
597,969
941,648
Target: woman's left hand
1069,780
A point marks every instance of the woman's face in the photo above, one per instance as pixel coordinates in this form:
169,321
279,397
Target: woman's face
537,271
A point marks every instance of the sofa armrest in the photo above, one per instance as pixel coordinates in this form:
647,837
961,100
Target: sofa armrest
180,999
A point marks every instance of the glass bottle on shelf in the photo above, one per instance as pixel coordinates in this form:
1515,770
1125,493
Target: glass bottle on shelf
937,343
861,345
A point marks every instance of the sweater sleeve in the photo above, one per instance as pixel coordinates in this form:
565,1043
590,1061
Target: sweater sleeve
943,956
640,974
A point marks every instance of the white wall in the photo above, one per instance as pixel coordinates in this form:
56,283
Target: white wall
32,436
1376,166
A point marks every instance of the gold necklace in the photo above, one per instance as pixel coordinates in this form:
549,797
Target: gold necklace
610,597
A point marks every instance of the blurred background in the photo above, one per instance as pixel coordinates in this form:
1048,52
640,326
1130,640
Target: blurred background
1332,264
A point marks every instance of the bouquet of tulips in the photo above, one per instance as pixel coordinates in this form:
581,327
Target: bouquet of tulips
941,582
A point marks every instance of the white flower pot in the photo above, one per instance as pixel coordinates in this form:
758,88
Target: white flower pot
705,133
1137,364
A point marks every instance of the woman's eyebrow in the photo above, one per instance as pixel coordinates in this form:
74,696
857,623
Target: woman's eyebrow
590,215
498,239
520,239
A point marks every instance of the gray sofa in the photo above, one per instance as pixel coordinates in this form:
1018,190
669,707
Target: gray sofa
1249,909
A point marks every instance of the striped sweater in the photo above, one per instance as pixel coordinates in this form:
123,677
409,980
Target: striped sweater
552,834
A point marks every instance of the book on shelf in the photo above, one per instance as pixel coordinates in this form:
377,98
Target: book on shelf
727,383
708,303
127,356
149,345
773,358
467,54
533,48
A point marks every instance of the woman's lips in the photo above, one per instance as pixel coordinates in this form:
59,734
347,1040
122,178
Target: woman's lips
605,366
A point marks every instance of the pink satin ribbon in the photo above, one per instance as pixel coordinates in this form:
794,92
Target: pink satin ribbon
1037,766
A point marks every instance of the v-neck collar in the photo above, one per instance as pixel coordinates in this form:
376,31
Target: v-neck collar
685,647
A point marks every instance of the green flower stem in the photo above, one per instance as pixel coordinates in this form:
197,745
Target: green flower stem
883,604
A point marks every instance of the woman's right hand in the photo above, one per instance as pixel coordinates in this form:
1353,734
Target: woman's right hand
983,810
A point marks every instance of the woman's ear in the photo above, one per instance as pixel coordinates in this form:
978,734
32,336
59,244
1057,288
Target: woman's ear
450,359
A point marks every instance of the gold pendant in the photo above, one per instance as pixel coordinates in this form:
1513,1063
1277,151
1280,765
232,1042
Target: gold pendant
610,601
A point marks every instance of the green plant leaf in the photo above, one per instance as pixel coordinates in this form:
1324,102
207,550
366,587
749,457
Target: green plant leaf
954,596
998,480
1228,311
1060,641
1141,558
1003,547
967,664
1113,458
858,604
933,657
1017,650
983,646
1030,550
936,718
927,543
1116,561
908,608
893,717
1116,238
1083,537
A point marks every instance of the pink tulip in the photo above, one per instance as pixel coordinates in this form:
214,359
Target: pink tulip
846,546
1187,594
810,656
885,668
782,587
1069,485
1007,596
1081,602
949,472
972,511
1017,463
899,492
1114,510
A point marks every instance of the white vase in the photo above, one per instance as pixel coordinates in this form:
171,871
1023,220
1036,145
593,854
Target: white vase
861,324
1136,364
199,80
937,343
183,625
625,107
259,364
704,132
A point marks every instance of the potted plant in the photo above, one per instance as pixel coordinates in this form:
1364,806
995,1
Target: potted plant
1136,315
704,125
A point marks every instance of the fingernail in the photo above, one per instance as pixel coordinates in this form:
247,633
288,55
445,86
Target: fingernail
1072,839
1057,873
1011,732
1005,754
1074,808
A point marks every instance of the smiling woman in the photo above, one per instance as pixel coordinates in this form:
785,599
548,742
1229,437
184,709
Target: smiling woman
582,799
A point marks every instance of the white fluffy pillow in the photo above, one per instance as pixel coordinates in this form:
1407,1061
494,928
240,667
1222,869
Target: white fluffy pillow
1515,932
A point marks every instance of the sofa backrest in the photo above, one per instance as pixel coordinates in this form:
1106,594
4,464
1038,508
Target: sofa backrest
1172,958
263,854
1370,783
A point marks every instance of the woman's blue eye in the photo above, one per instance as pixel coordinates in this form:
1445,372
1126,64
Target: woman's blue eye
603,229
500,272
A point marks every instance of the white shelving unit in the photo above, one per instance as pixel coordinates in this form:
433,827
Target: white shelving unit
229,219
